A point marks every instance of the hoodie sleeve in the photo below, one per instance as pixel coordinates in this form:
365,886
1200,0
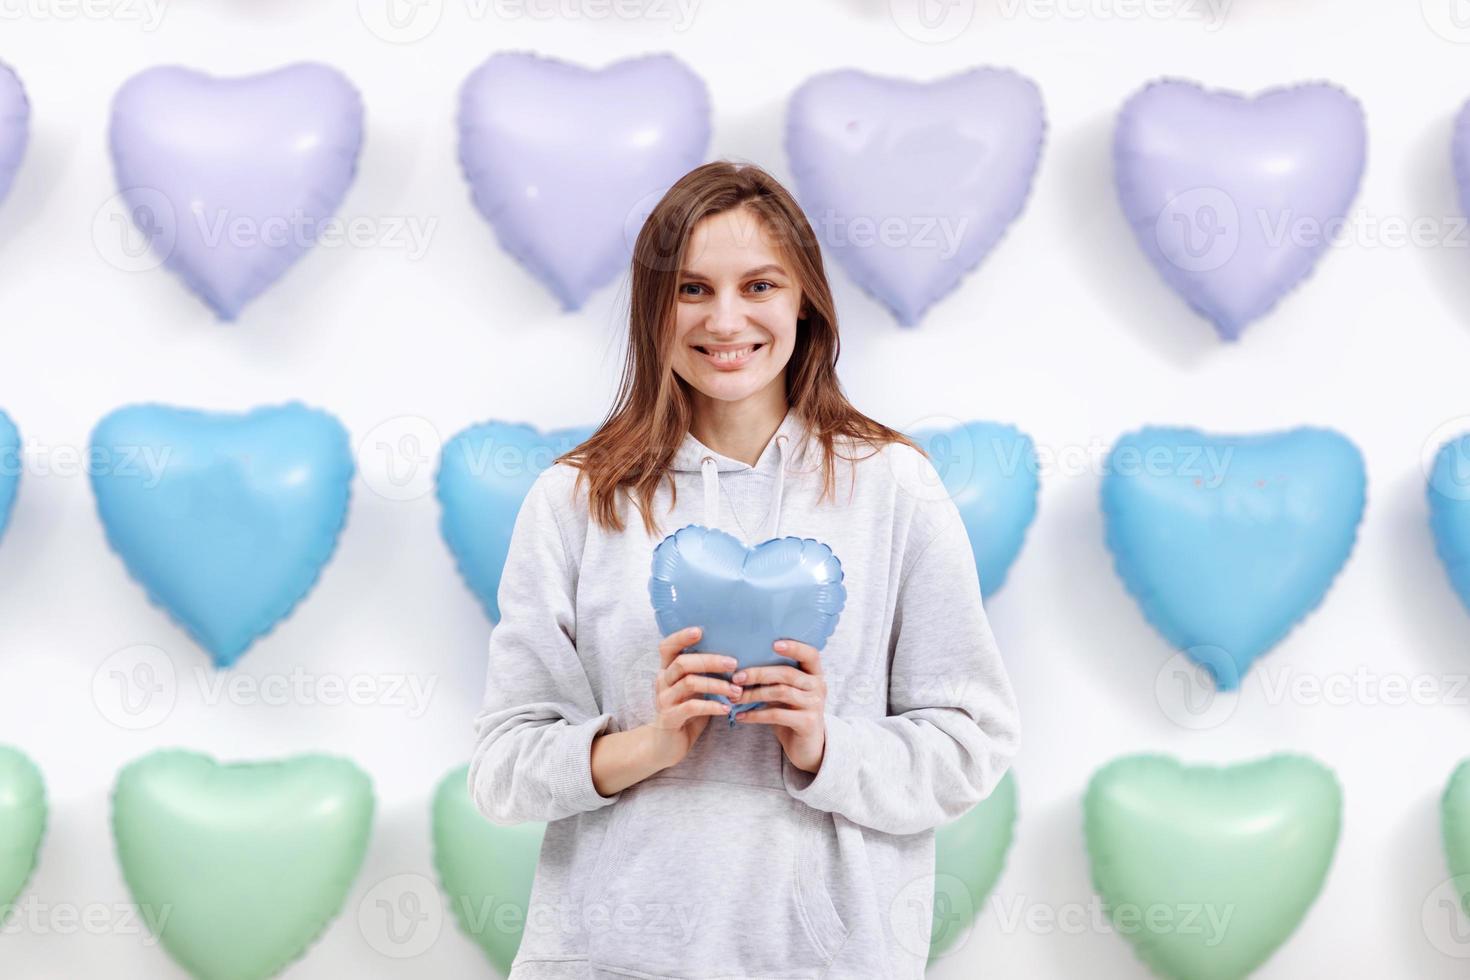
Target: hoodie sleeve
532,759
952,726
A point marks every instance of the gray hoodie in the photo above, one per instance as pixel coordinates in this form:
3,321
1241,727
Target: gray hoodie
734,863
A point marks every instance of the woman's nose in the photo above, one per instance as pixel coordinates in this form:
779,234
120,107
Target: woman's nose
727,317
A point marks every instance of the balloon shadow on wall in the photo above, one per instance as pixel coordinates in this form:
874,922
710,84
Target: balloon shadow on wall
1418,877
1432,194
41,172
1109,640
1436,626
1116,271
1062,876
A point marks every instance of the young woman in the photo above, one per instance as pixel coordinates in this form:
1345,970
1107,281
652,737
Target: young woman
798,842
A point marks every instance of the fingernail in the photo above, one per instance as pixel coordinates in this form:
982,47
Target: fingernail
693,630
780,644
734,688
739,676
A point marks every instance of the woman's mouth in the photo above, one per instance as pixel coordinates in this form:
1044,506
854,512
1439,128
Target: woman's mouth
728,358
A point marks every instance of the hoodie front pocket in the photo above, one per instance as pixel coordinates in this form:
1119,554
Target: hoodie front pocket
700,878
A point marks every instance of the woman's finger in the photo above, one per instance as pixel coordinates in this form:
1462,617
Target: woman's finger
777,694
698,663
798,721
693,708
807,657
670,646
778,674
695,684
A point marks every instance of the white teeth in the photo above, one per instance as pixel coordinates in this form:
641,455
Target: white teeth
730,355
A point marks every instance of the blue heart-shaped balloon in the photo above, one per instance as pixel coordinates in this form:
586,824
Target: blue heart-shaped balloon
484,474
9,468
1449,512
1227,541
990,472
745,599
226,519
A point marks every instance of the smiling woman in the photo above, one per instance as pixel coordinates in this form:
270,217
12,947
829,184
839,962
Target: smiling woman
799,842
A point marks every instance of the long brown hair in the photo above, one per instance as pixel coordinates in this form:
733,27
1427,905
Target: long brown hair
636,443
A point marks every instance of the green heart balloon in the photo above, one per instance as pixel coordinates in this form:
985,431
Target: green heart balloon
969,855
1454,810
1206,870
485,869
237,868
22,824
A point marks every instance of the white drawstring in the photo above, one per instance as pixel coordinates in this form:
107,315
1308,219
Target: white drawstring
711,471
711,491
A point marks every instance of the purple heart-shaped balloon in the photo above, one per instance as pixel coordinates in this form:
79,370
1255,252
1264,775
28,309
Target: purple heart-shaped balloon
1234,199
1460,156
561,158
745,599
911,184
232,179
15,119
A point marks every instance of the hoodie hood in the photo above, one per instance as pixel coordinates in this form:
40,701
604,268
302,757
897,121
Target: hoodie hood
788,447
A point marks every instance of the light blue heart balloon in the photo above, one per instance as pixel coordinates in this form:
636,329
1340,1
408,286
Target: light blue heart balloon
226,519
1449,511
10,466
484,474
745,599
1227,541
990,472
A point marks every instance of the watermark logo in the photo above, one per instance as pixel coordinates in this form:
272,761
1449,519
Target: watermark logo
1453,481
1450,19
401,21
932,21
136,688
396,457
1199,230
401,917
1443,918
146,14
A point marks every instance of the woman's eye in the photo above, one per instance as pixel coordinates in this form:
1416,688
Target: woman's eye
763,282
691,286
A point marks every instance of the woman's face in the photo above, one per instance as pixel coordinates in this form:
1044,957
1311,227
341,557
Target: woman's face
737,306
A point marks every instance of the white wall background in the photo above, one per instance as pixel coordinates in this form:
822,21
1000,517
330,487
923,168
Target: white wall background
1065,331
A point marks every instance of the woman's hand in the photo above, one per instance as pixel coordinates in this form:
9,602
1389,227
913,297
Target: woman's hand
802,690
682,713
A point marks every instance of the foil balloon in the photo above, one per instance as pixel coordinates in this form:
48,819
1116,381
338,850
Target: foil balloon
10,467
232,180
22,825
969,855
565,162
484,868
1227,541
1207,870
1449,512
484,474
15,127
1454,812
1235,199
990,472
225,519
745,599
237,868
911,184
1459,156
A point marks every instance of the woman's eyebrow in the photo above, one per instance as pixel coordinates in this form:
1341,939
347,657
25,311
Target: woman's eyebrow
758,270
